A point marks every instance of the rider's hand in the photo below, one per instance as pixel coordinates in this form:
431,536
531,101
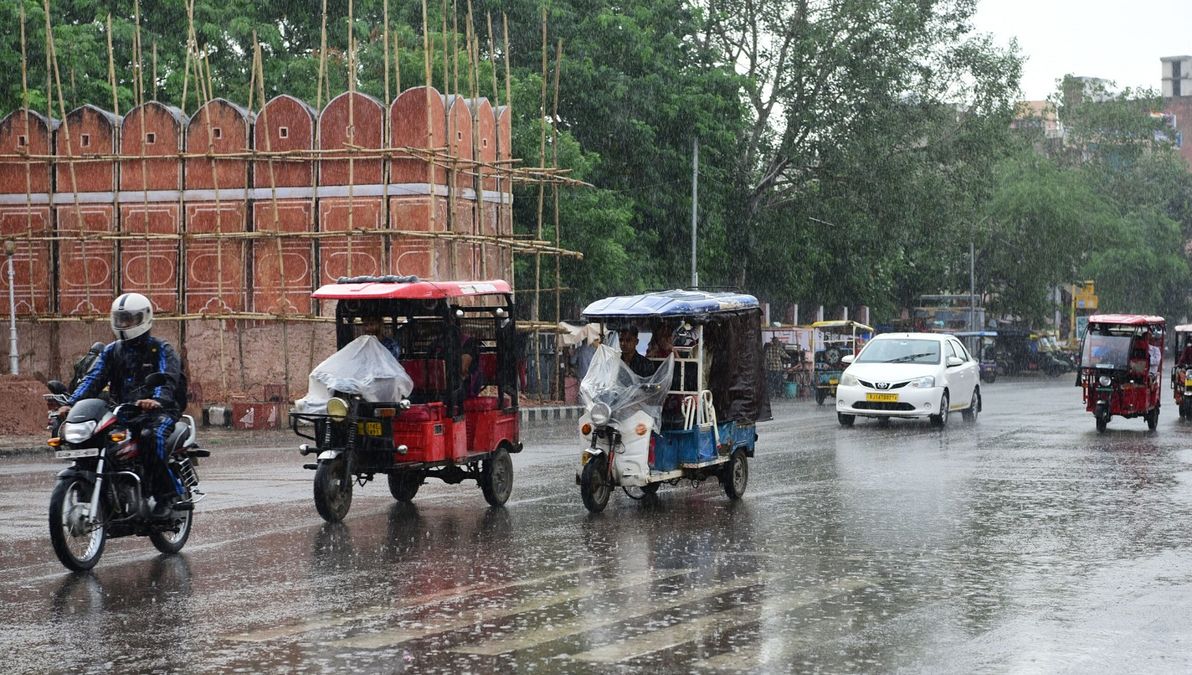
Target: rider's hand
61,412
148,404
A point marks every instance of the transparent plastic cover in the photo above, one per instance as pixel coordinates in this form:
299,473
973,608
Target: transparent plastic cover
610,381
364,367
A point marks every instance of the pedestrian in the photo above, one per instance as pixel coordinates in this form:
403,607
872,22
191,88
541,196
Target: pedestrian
776,360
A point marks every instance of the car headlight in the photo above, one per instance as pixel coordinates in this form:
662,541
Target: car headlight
337,409
77,432
1104,380
600,414
848,380
924,382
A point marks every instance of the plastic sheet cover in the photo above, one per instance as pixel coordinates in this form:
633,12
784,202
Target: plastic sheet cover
362,367
610,381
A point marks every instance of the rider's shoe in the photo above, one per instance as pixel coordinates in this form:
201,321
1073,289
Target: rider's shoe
163,507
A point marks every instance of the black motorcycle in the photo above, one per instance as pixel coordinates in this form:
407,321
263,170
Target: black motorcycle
99,495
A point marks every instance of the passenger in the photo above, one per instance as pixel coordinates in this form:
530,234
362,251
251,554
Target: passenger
661,342
374,326
640,365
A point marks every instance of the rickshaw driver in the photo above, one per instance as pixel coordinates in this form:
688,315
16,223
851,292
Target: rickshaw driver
640,365
374,326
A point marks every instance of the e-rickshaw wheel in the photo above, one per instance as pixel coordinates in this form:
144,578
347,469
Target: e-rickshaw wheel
1102,422
736,475
1152,418
403,485
333,490
496,477
594,486
651,488
820,394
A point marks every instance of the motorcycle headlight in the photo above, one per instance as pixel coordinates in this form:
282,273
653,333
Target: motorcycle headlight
337,409
924,382
600,414
77,432
1104,380
848,380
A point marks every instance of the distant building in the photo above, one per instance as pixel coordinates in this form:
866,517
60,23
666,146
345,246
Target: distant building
1177,100
1039,115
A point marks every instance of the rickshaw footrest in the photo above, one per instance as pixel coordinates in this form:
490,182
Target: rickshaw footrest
310,466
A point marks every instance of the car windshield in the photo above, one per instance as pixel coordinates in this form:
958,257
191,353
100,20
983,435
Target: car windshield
1105,351
900,351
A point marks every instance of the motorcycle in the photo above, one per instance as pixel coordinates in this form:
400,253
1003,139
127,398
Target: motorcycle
99,495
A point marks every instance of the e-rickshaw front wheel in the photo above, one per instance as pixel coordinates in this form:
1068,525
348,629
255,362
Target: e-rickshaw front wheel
736,475
403,485
1152,418
496,478
594,485
820,395
333,490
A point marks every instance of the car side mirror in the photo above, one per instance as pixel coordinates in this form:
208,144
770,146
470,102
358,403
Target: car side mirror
847,359
954,361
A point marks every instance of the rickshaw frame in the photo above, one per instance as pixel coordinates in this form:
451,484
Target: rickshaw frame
1181,371
442,430
1126,391
827,378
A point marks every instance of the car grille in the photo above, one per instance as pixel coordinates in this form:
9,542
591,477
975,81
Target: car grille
871,385
882,405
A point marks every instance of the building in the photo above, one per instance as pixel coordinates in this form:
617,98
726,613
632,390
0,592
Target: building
1177,100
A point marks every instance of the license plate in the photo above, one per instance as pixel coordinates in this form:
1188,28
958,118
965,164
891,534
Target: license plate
884,398
72,454
833,381
1188,382
369,428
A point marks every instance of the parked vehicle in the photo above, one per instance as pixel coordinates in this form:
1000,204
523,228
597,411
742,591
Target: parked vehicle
1121,367
689,412
1019,351
446,407
1181,373
980,345
840,339
99,496
910,375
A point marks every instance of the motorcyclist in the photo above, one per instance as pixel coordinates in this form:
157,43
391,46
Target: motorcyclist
123,367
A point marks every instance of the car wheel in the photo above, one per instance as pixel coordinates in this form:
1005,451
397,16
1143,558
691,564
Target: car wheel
941,420
845,420
970,413
883,421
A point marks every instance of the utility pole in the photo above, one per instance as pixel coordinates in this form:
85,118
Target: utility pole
694,209
14,354
972,287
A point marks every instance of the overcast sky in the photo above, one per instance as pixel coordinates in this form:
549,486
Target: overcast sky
1119,40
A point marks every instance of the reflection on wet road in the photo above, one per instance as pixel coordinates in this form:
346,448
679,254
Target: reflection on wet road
1025,541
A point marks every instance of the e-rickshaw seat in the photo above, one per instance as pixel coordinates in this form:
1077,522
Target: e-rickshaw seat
480,403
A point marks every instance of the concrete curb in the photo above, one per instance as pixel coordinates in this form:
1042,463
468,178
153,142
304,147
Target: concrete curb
550,413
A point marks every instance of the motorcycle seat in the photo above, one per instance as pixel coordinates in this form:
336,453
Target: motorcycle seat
181,431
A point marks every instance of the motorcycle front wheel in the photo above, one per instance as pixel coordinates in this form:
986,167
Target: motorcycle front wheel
333,490
594,486
76,543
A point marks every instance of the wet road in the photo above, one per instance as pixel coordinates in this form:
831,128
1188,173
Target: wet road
1024,542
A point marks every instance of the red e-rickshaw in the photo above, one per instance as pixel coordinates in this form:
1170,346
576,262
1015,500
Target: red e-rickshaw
455,416
1181,373
1121,367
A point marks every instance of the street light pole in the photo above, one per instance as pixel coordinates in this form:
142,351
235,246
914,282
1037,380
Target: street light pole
694,209
14,354
972,287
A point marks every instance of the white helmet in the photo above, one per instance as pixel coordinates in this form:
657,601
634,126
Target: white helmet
132,316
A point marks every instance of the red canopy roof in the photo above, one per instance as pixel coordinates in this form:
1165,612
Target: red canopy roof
417,290
1127,319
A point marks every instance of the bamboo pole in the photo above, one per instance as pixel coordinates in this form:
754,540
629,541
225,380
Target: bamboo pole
554,141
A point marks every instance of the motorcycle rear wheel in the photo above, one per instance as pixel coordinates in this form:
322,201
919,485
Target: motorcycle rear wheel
77,548
172,542
333,490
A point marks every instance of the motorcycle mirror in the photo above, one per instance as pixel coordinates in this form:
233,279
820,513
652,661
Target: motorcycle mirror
56,387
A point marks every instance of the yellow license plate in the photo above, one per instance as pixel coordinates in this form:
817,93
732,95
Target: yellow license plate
1188,383
884,398
369,428
833,381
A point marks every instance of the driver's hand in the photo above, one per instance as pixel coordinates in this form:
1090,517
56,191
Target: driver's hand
61,412
148,404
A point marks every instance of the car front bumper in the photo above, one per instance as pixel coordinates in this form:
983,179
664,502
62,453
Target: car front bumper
910,401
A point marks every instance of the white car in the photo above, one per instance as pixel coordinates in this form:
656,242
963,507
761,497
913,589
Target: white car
910,375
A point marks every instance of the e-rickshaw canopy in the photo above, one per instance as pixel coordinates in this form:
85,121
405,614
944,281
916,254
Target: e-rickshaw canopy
1128,319
842,325
1183,328
732,337
406,288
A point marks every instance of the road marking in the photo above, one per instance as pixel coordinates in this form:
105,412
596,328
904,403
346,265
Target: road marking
267,634
582,624
689,631
389,638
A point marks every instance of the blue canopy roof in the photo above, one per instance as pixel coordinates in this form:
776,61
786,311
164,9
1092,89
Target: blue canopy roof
978,333
670,303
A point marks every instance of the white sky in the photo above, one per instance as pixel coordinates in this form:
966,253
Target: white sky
1119,40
